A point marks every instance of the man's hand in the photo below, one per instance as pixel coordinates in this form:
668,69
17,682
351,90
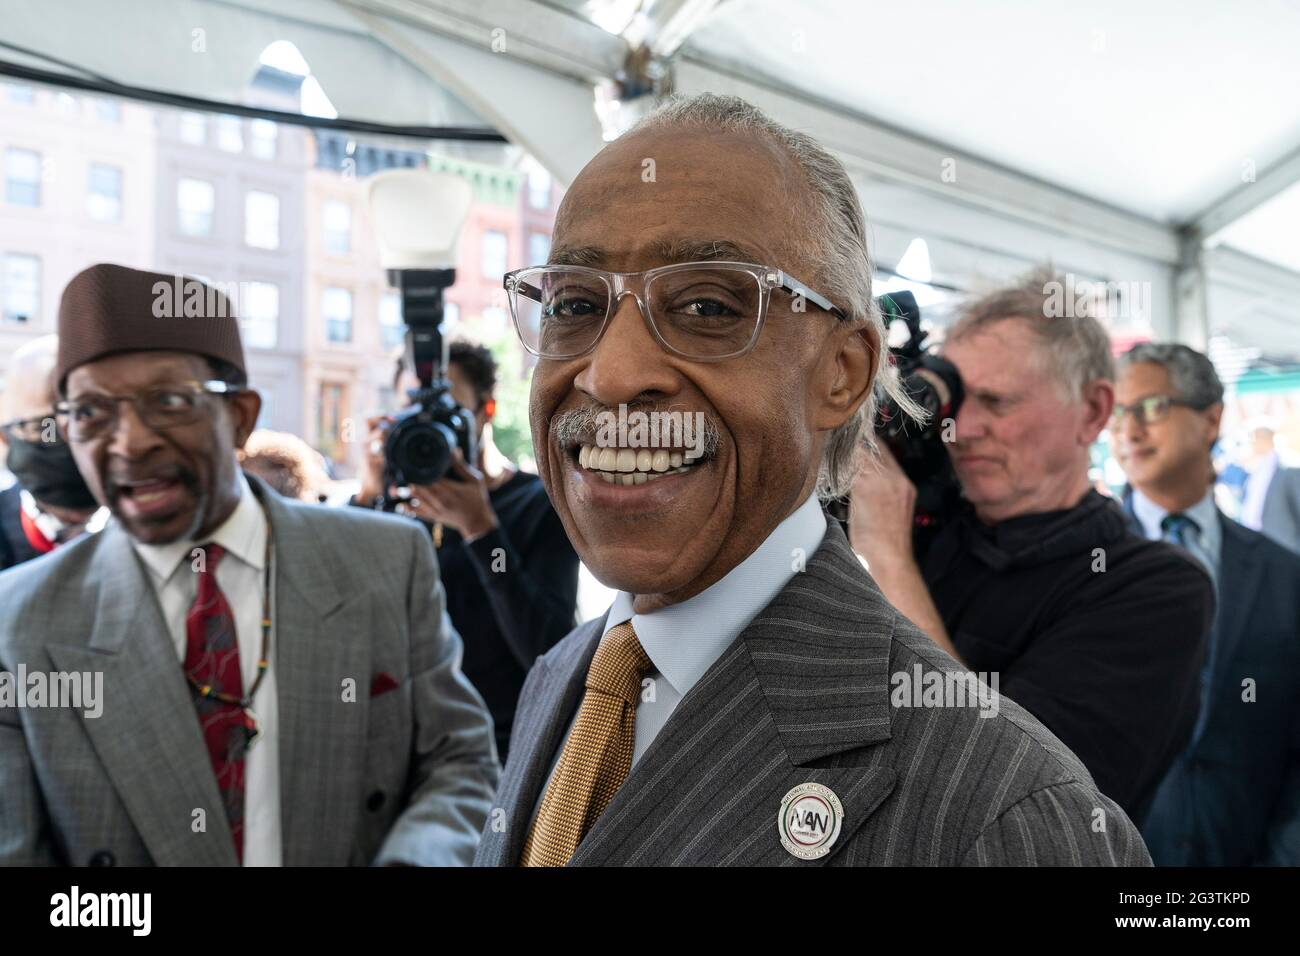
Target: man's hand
463,505
881,505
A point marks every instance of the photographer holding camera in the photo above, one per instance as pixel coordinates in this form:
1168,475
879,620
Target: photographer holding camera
1032,574
510,574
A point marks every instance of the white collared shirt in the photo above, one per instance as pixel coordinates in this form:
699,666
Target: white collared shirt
240,577
1206,543
683,640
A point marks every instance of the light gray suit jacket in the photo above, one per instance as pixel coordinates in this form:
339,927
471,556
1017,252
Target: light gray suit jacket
802,695
1281,516
405,776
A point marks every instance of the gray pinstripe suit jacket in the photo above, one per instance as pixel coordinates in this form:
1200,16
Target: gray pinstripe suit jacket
404,776
803,694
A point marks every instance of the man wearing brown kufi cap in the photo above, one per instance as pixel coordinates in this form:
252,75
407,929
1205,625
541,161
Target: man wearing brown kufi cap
261,681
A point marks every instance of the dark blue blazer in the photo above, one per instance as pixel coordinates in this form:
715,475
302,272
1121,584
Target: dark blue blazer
1232,798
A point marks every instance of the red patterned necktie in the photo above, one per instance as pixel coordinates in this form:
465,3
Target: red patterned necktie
212,659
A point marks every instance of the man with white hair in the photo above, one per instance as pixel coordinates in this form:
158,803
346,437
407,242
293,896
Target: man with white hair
50,504
1036,577
738,702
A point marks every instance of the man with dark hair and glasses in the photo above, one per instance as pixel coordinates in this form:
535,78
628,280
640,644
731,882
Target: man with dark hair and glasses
1232,798
709,356
50,504
275,682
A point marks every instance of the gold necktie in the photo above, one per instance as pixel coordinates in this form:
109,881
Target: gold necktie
598,754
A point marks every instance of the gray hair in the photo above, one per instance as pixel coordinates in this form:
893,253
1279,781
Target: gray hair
1078,345
836,244
1191,373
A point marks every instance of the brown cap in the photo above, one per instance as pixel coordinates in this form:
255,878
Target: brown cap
108,309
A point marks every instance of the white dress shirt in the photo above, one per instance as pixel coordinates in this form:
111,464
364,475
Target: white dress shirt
1204,544
240,575
683,640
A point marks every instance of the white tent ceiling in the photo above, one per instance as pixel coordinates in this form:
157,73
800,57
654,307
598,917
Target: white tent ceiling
1112,137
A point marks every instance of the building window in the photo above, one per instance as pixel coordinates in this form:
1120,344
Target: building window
260,314
390,320
195,201
262,135
539,248
262,220
23,95
110,111
22,177
494,254
336,306
193,128
337,217
331,410
104,198
20,288
230,134
539,189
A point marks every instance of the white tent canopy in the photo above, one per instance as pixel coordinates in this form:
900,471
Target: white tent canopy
1154,142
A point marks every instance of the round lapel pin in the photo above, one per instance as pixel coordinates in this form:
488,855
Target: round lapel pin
809,820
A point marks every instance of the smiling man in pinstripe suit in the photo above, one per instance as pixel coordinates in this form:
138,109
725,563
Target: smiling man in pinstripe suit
742,700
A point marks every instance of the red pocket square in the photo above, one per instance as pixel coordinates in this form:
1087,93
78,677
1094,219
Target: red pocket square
382,684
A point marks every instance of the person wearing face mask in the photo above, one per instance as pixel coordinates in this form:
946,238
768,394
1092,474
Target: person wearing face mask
50,504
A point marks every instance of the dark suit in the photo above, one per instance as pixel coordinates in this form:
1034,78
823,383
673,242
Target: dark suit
803,695
1232,798
14,546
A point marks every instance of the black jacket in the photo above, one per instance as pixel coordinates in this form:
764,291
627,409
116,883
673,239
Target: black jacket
14,546
1233,797
1094,630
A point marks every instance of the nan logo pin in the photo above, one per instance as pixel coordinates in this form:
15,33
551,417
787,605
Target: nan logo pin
809,820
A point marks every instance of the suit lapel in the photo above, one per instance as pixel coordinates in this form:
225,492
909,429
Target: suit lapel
545,713
803,687
148,734
319,639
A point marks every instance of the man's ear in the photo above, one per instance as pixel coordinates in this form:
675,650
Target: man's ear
1213,418
1098,403
850,365
245,406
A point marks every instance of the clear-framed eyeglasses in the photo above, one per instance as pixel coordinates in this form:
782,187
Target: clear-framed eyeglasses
704,311
162,407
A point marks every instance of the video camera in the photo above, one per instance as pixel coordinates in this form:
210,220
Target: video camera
418,216
935,385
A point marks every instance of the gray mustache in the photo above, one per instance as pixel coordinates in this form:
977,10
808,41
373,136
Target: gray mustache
580,426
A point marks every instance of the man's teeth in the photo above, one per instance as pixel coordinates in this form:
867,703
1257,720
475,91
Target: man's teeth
632,466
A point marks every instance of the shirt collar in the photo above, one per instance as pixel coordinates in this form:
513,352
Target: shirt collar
243,534
683,640
1205,513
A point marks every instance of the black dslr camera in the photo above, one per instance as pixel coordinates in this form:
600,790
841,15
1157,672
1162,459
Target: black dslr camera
419,443
934,384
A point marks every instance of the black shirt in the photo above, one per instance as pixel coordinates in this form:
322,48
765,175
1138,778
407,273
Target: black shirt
14,546
512,594
1108,660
